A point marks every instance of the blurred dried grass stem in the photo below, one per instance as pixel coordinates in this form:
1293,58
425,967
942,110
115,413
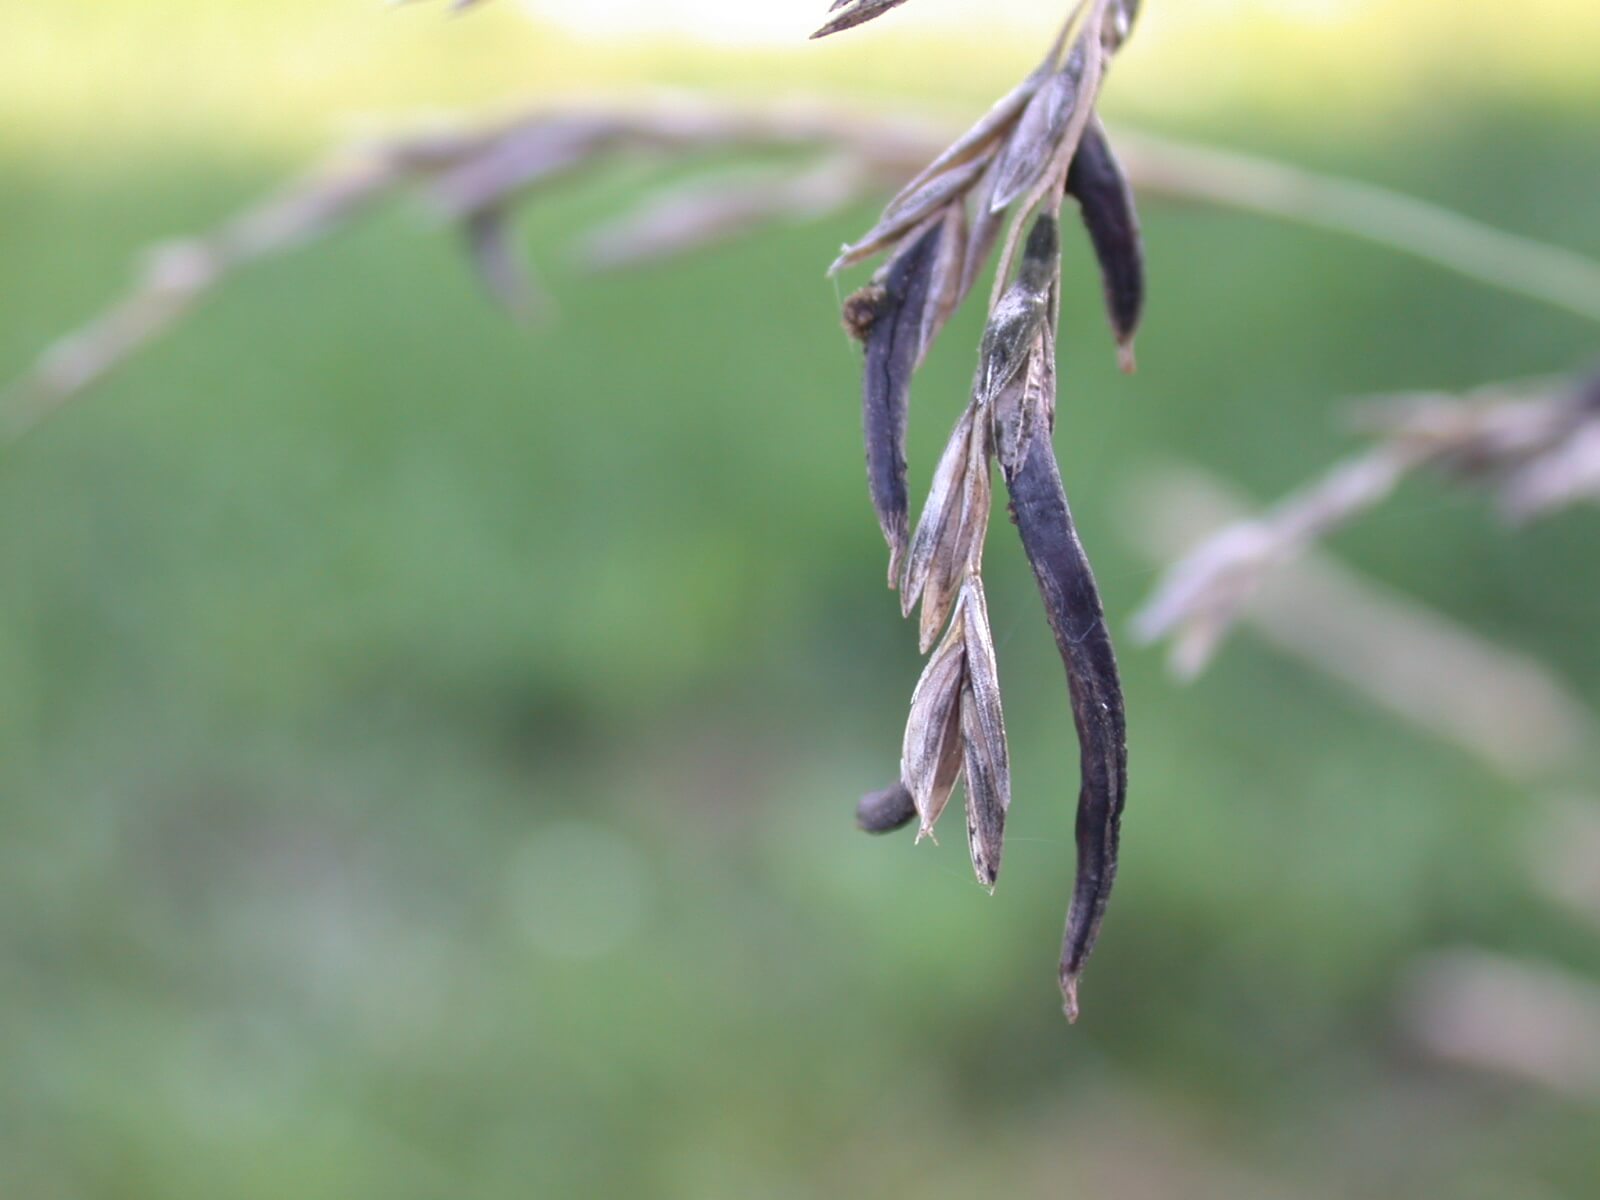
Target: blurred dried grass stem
1561,849
1535,1024
476,172
1390,219
1534,447
1502,707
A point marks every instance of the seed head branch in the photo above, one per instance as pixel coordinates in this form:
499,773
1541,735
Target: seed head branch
1016,164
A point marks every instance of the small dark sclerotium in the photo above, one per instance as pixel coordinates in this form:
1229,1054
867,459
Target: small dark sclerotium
890,321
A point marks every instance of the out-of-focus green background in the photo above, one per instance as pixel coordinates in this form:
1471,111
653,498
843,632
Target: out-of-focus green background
428,744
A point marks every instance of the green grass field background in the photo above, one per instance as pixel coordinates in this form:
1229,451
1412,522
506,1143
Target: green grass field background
428,744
